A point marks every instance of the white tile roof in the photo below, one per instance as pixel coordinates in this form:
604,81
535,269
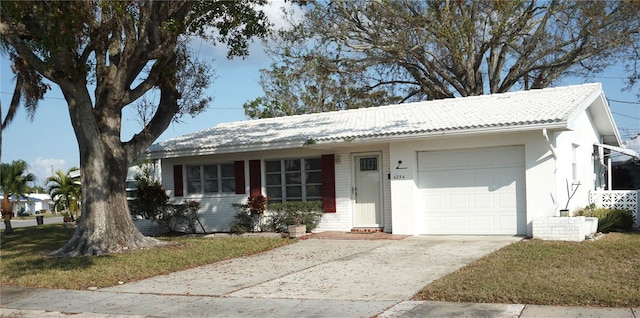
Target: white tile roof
532,109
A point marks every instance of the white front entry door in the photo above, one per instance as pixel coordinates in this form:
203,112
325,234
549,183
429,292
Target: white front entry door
367,191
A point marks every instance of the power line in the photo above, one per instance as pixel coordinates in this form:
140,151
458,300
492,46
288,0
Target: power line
632,117
623,101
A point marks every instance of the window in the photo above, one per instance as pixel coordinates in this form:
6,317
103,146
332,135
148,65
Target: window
294,179
574,162
211,178
132,189
369,164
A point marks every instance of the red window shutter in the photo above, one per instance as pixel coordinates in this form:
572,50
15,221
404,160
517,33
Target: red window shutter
178,186
255,183
328,183
239,174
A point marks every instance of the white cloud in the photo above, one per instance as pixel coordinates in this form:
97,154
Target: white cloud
257,56
274,11
633,143
44,168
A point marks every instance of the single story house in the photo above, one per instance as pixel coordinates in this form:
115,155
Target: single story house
31,203
476,165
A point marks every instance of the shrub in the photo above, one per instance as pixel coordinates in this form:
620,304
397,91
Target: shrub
151,200
609,219
291,213
245,220
183,216
237,228
249,216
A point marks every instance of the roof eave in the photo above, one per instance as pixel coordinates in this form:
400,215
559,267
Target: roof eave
190,152
345,141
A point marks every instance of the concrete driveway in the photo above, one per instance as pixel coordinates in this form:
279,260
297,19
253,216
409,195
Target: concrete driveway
311,278
328,269
381,272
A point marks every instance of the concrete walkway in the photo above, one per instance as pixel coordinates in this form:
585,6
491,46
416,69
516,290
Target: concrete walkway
311,278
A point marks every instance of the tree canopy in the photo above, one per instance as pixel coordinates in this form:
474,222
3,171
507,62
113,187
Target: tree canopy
109,55
65,190
15,178
358,53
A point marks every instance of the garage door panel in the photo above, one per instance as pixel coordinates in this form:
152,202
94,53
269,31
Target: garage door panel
509,177
459,201
434,180
460,223
435,202
483,195
505,222
507,201
459,180
483,201
435,224
484,224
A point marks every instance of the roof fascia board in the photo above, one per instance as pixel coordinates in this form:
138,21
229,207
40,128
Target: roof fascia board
607,110
584,106
597,100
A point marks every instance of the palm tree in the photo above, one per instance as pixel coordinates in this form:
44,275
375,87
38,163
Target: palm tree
13,182
65,191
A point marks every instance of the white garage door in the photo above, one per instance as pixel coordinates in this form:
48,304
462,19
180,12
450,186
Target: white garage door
472,191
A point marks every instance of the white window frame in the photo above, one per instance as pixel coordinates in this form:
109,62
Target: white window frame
574,163
304,173
219,179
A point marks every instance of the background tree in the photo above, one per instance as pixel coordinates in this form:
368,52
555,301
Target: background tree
120,51
421,50
306,77
65,191
14,181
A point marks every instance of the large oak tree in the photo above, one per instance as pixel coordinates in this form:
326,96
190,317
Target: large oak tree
429,49
105,56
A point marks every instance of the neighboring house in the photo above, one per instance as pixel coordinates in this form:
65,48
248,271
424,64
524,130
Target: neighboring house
476,165
31,203
152,168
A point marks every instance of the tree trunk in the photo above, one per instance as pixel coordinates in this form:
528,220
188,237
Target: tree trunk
7,213
105,224
8,229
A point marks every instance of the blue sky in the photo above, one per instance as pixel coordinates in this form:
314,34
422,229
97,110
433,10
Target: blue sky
48,143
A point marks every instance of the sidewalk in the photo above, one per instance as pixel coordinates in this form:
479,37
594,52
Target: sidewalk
446,309
28,302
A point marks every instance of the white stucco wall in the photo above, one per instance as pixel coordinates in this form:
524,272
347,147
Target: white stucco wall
218,213
590,174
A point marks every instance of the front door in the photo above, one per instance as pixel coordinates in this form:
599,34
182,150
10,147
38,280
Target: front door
367,191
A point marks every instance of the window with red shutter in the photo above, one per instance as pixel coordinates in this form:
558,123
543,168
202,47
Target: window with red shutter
178,186
255,186
328,183
239,174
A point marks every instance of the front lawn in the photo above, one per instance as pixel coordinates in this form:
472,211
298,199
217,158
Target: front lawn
604,272
23,261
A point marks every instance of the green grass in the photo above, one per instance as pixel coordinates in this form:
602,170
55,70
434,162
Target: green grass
24,263
604,272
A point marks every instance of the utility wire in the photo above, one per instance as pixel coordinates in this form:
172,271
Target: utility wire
623,101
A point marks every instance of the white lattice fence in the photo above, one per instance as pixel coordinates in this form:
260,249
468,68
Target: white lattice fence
618,199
